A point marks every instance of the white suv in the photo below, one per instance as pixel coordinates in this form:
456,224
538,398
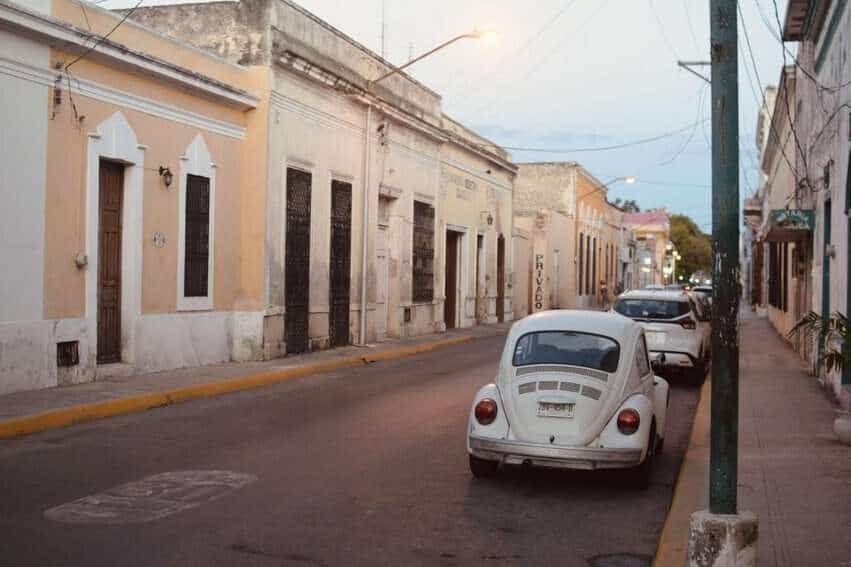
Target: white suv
674,325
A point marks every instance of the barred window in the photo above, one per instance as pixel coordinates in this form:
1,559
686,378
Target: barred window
197,255
581,262
423,252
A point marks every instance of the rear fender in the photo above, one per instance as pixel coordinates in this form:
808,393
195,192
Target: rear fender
612,438
661,398
496,430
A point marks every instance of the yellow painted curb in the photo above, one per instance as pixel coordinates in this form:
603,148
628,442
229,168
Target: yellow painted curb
691,490
88,412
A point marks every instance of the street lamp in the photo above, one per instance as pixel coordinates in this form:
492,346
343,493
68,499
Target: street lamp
484,35
628,179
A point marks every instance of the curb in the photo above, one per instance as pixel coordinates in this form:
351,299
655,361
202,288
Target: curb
690,490
56,419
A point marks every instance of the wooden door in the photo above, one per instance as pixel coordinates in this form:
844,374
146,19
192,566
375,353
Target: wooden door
297,262
500,279
111,193
450,310
340,276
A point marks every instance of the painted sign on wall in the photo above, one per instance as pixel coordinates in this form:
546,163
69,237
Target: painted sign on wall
539,282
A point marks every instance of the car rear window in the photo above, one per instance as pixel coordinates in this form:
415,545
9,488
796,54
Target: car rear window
567,347
652,308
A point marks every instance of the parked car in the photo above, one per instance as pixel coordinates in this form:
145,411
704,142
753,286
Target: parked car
675,325
575,390
654,286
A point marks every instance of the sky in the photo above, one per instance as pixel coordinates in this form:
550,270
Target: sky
580,74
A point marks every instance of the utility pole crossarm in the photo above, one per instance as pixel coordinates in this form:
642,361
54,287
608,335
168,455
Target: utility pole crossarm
687,65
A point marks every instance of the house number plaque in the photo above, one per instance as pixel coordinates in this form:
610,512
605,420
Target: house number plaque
159,239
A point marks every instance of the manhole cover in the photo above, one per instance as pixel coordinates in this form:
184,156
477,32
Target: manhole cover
620,560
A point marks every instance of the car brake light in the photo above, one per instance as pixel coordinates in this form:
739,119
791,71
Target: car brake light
628,421
486,411
688,323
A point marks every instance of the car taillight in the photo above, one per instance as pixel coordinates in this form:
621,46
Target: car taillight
628,421
688,323
486,411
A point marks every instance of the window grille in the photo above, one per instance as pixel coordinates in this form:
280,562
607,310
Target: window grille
423,269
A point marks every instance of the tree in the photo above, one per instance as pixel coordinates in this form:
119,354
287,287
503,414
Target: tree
627,206
694,246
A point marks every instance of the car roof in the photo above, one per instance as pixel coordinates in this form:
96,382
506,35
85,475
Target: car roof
603,323
660,294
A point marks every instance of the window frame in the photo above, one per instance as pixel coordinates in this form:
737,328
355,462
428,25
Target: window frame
543,331
415,297
196,161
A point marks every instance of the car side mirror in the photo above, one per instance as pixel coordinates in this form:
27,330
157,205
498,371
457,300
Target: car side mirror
658,360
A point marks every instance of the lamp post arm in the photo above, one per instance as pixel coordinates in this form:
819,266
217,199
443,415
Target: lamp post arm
419,58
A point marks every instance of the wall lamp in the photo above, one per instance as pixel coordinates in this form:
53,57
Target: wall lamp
167,176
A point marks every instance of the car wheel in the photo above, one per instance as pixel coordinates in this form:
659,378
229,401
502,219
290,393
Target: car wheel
698,374
482,468
641,475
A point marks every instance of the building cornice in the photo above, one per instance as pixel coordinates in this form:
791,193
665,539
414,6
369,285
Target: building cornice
97,91
61,35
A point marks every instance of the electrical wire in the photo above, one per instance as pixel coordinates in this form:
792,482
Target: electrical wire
501,64
664,35
105,37
539,63
691,28
682,148
602,148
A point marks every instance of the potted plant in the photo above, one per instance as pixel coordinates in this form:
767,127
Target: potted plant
832,332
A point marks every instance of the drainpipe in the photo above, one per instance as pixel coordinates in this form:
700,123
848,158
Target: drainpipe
365,222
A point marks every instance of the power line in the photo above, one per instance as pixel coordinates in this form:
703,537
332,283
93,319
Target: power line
691,27
602,148
662,30
537,64
500,65
104,38
679,152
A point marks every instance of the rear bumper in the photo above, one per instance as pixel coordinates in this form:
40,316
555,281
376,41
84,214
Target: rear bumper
677,359
537,454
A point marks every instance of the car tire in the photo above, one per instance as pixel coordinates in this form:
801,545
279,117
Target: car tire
482,468
641,475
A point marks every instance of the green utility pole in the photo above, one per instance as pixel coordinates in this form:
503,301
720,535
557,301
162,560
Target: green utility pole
723,457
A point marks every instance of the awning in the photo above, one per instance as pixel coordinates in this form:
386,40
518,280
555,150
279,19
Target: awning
789,224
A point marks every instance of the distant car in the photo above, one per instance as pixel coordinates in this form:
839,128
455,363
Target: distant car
574,390
675,325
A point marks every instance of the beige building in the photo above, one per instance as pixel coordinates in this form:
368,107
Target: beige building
568,236
125,224
652,230
544,222
475,210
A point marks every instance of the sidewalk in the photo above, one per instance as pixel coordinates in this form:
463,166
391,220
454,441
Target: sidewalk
27,412
793,473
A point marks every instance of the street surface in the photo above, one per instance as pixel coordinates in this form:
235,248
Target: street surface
364,466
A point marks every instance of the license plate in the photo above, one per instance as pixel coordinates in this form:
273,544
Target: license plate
655,338
552,409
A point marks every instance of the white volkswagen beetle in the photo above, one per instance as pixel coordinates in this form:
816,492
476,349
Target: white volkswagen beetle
575,389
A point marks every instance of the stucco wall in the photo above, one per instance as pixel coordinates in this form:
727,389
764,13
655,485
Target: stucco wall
469,195
27,351
545,186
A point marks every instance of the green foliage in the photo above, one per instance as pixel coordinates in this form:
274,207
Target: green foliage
628,206
832,332
693,245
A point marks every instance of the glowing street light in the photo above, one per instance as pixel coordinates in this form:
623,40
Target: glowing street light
487,36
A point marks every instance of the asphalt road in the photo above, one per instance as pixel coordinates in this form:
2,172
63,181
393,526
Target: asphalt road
364,466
